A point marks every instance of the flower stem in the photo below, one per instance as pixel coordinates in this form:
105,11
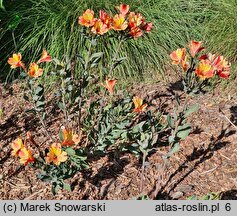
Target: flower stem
143,171
115,57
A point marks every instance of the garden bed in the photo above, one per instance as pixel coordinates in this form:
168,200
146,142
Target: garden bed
205,163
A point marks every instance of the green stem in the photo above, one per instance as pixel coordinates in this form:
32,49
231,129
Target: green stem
40,117
143,171
81,90
115,57
14,40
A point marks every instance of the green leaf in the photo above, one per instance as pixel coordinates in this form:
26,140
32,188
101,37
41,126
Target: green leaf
57,188
191,110
1,112
1,5
183,131
39,90
43,115
175,149
171,139
14,22
96,55
39,104
193,197
67,187
70,151
61,106
170,121
61,136
35,97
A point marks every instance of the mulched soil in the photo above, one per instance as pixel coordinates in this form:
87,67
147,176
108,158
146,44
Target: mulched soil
205,163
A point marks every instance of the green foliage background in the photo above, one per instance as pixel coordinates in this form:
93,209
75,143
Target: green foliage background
53,24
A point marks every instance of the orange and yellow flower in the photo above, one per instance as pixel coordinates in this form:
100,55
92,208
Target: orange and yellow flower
109,85
185,63
205,70
99,28
26,156
136,32
219,64
87,19
105,18
45,57
124,9
16,145
195,47
138,103
15,61
148,27
178,55
35,71
136,20
119,23
56,155
69,138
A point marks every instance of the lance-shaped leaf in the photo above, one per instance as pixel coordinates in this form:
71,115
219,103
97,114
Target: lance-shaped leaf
183,131
191,110
175,149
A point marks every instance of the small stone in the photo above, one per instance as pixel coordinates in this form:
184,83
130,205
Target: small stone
177,195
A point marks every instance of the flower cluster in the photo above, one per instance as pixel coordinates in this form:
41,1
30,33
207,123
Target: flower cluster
130,23
19,149
34,70
69,137
55,153
208,64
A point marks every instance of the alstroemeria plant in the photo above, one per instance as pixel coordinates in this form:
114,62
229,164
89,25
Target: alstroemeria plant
198,68
130,24
57,162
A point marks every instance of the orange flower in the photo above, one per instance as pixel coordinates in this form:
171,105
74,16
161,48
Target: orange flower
204,70
136,32
148,27
26,156
16,62
219,64
35,71
99,28
124,9
87,19
139,106
178,55
109,85
135,20
69,138
119,22
16,145
185,63
56,155
195,47
222,66
45,57
223,74
105,18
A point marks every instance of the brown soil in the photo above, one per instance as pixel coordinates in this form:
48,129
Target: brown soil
205,163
